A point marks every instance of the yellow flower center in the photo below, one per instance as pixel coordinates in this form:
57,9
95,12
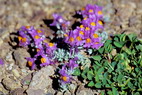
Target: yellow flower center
93,23
24,40
43,60
65,35
28,27
96,42
71,39
19,38
30,63
85,18
64,78
36,37
81,26
83,9
78,38
100,12
81,32
37,49
88,40
39,31
95,35
51,44
100,22
87,28
90,11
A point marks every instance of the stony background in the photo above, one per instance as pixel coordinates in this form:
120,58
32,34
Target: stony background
122,16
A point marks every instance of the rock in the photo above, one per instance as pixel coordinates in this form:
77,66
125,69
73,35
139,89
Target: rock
47,2
50,90
1,41
41,79
16,73
84,91
20,55
17,91
9,58
35,92
26,80
67,93
11,84
72,88
3,90
126,10
4,49
49,94
3,33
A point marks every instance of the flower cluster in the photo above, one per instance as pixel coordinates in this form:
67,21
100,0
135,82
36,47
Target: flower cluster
86,35
66,72
28,36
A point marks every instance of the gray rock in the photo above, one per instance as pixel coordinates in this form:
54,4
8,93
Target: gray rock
126,10
20,55
17,91
9,57
41,79
11,84
85,91
3,91
35,92
4,49
4,33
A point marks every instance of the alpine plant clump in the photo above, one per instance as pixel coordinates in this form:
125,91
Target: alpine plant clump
89,35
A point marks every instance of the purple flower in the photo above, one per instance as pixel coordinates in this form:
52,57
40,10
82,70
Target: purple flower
72,64
31,63
44,60
92,11
24,40
65,78
88,43
70,38
1,62
60,21
97,45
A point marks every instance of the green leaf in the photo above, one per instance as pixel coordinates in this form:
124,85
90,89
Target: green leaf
97,78
97,57
116,38
91,84
86,70
118,44
101,70
132,37
109,93
98,85
101,50
83,75
96,63
114,91
107,85
77,72
123,37
130,85
119,78
90,75
102,93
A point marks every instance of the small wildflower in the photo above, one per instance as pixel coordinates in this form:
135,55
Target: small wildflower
1,62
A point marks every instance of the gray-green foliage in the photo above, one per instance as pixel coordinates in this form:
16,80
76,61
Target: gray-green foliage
61,55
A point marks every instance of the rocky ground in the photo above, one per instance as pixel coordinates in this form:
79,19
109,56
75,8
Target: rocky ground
122,16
